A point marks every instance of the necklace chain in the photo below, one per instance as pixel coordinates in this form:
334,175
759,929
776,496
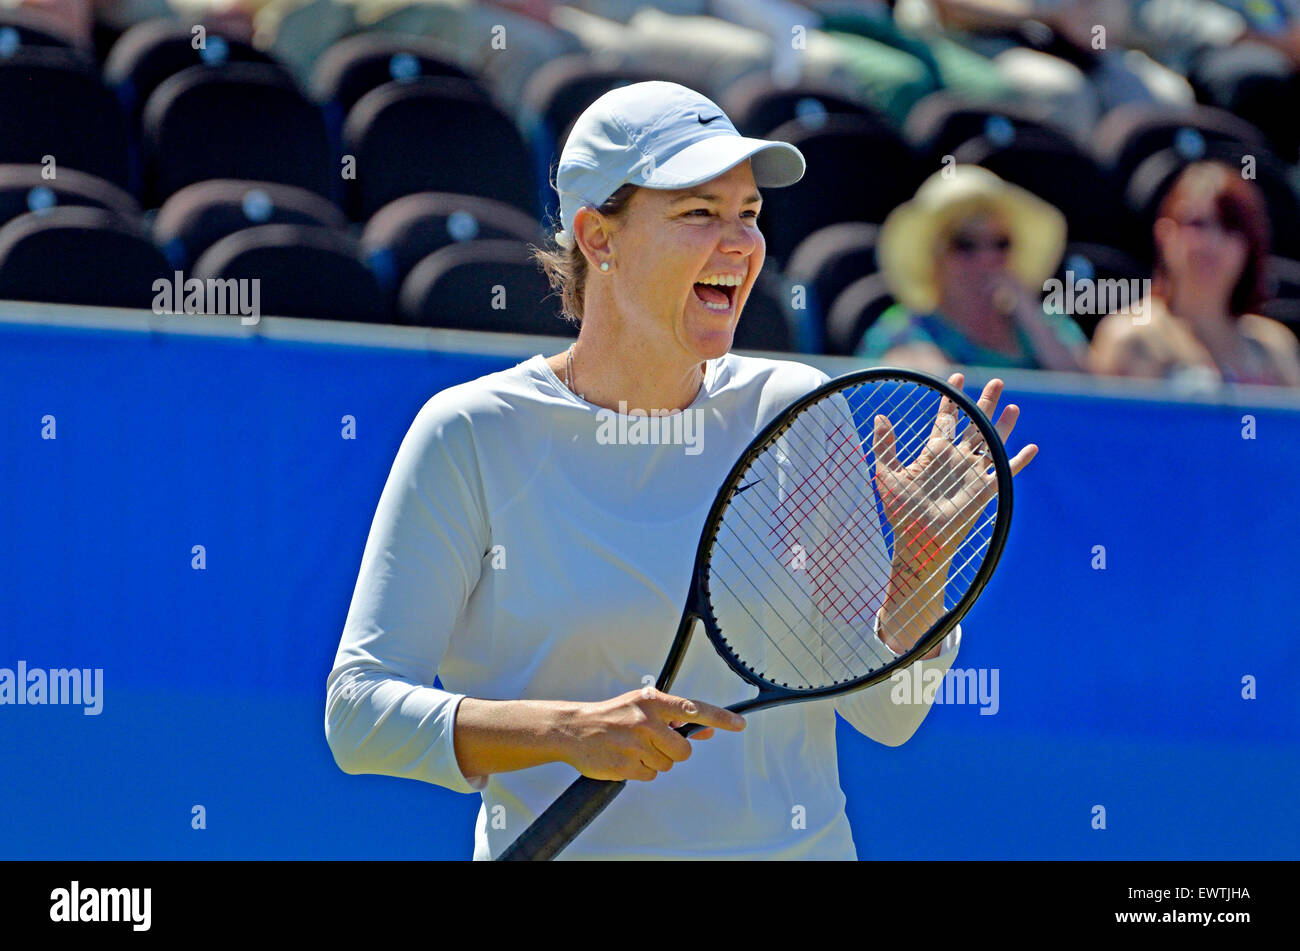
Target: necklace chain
568,372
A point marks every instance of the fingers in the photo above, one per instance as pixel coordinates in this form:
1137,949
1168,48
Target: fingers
945,420
633,736
883,445
1007,421
665,746
988,400
660,761
697,711
1023,458
699,734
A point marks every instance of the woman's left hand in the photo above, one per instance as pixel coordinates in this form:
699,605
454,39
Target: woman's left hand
932,503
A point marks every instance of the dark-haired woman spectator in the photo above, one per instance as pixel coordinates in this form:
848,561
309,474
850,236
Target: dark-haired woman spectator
1211,243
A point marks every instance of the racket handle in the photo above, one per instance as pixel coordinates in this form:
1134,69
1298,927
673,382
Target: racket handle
563,820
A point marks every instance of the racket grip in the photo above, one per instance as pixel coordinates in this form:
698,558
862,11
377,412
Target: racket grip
560,824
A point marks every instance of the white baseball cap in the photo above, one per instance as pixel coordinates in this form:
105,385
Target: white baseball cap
659,135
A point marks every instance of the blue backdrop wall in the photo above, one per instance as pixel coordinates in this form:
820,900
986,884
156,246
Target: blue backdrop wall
1119,687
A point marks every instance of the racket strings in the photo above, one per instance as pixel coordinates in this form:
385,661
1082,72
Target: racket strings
851,670
854,526
833,507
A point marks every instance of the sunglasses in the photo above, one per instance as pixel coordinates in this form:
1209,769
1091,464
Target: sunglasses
965,245
1208,225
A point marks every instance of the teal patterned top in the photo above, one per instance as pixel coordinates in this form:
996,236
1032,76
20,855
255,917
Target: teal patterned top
898,326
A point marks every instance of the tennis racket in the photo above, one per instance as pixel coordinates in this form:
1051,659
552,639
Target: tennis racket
876,506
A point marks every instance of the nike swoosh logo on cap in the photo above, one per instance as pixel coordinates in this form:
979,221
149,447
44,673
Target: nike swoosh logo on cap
704,121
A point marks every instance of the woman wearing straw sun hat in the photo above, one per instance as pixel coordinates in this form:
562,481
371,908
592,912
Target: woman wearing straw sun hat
966,260
536,563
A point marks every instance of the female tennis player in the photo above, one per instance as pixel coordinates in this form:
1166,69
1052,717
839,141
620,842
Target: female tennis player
534,541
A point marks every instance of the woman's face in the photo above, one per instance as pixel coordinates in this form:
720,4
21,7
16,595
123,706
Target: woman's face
670,241
1201,256
972,259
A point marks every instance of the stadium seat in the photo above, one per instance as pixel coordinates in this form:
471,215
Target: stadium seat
1095,262
1127,135
407,230
152,51
1056,169
1255,83
1284,305
863,170
557,94
24,188
357,64
757,105
766,323
199,215
79,255
53,104
19,28
941,122
829,260
853,312
482,285
304,270
434,134
1150,181
241,120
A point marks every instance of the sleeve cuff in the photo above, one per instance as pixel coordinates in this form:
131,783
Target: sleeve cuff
471,783
947,646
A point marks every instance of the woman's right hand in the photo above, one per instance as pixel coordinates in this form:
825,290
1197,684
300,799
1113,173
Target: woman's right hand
633,736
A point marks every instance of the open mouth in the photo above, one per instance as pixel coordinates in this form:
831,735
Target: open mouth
718,292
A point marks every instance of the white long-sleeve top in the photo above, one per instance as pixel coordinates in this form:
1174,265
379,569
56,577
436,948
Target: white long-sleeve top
520,550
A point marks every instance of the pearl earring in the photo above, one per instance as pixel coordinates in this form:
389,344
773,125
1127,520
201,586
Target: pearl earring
604,265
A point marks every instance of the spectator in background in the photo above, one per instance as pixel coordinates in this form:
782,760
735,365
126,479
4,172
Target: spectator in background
76,19
1211,254
1092,35
966,260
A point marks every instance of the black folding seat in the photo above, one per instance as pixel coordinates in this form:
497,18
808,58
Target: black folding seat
405,231
154,50
79,255
434,134
357,64
199,215
239,120
52,104
941,122
1084,261
756,105
303,271
25,188
853,312
1127,135
767,323
19,28
829,260
482,285
859,170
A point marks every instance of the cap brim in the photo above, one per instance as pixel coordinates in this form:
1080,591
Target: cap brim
775,164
